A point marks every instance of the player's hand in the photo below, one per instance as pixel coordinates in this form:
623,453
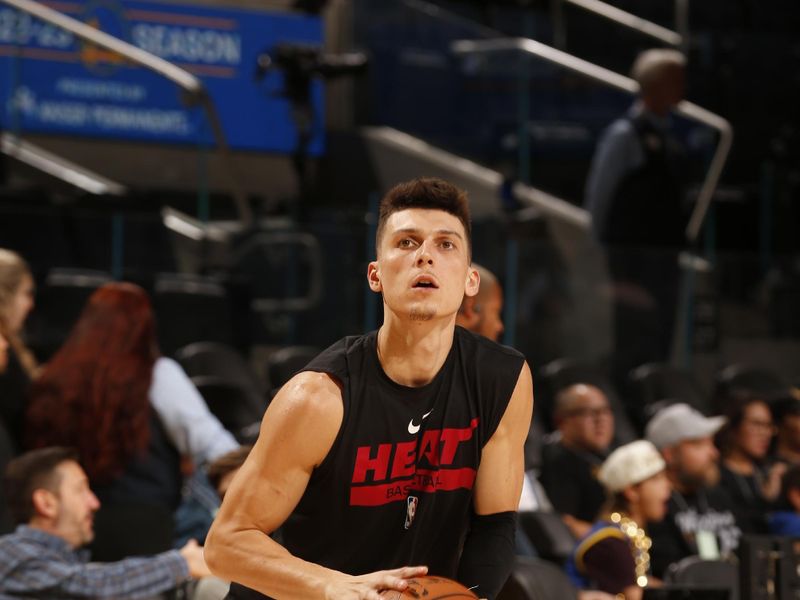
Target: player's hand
369,586
192,553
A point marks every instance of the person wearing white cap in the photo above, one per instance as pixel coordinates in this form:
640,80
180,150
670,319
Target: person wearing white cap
614,557
700,519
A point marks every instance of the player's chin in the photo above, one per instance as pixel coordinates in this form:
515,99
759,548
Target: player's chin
422,312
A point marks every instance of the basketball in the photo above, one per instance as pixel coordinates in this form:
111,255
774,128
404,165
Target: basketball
430,587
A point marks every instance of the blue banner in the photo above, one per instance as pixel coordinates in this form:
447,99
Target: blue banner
53,82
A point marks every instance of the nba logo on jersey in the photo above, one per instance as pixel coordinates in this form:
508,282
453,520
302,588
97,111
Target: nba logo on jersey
411,510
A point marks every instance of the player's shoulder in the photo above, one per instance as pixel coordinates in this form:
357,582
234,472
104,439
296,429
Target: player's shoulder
337,357
310,393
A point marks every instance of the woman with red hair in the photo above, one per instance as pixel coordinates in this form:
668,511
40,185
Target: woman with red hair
129,412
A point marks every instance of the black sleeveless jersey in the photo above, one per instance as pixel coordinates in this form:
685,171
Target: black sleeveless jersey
396,486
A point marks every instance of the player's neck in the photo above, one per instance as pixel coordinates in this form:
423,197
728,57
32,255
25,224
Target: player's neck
411,354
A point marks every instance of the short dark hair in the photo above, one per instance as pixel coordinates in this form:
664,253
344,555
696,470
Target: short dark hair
426,192
228,462
32,471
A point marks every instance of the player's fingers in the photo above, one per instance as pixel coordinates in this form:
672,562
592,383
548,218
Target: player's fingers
385,581
407,572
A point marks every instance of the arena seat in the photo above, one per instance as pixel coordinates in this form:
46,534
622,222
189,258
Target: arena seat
232,404
191,309
201,359
548,533
696,573
744,378
284,363
653,382
536,579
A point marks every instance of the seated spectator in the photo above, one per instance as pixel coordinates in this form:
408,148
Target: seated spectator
700,518
586,427
786,413
52,503
744,442
16,302
482,313
203,494
614,555
130,413
786,519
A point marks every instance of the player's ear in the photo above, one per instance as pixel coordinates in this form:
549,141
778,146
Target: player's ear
473,282
373,277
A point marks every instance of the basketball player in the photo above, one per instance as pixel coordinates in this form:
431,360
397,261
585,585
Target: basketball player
399,447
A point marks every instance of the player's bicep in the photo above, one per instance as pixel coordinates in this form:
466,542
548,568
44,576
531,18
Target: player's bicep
297,433
499,482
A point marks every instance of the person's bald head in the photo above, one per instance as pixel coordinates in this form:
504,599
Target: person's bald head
584,418
482,313
661,75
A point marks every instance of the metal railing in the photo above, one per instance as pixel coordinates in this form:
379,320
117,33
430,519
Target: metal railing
58,167
615,80
194,88
631,21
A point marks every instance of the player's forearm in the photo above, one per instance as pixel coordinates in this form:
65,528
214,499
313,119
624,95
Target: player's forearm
253,559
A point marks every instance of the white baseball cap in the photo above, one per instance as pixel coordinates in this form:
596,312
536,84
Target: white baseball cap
678,422
630,464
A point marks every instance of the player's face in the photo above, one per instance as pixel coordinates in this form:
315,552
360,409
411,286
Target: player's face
423,264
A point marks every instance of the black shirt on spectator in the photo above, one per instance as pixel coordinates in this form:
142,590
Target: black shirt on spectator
568,478
749,504
675,537
14,383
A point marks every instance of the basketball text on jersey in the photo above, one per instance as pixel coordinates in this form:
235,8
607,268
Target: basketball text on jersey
395,470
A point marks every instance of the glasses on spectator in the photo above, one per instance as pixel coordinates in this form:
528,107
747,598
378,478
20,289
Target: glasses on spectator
765,426
590,413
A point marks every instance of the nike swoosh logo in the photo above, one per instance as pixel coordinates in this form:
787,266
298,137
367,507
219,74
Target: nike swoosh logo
412,429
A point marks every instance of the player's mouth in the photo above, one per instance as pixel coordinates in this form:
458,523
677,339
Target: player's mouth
425,282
